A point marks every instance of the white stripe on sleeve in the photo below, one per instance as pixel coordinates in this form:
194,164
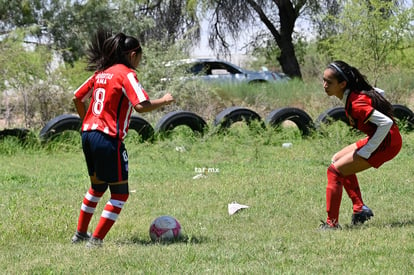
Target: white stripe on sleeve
88,95
137,87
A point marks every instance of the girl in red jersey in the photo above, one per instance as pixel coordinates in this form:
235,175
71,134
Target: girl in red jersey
114,92
369,112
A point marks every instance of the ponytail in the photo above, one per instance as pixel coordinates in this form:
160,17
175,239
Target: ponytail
107,50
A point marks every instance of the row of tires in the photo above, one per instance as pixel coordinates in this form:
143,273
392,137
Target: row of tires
224,120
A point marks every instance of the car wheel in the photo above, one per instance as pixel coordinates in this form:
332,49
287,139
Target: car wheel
332,115
60,124
302,120
142,127
178,118
234,114
404,115
20,133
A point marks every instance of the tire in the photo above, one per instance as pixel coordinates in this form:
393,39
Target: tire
58,125
142,127
20,133
302,120
404,115
332,115
177,118
234,114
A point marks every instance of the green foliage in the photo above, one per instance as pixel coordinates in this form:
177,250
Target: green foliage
370,32
43,188
31,92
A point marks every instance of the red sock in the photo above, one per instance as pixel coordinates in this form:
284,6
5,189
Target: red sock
333,194
352,188
109,215
88,207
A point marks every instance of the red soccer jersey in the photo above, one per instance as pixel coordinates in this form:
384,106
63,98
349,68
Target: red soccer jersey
359,109
113,92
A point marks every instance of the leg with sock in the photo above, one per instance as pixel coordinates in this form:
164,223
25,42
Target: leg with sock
333,196
111,212
361,212
88,207
352,188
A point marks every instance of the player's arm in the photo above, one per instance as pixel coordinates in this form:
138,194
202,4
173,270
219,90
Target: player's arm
80,107
384,124
149,105
83,92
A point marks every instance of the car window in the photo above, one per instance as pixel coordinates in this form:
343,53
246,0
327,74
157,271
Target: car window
219,72
221,68
197,68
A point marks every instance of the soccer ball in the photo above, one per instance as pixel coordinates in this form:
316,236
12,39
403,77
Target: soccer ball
165,229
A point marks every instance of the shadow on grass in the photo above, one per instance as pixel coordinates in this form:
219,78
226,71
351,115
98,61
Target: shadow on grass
400,223
184,239
392,224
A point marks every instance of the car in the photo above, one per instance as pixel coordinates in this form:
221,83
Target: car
220,71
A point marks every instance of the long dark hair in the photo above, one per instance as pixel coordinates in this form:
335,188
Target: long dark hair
356,82
106,50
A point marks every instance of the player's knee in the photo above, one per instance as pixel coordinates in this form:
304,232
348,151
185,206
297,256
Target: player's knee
119,189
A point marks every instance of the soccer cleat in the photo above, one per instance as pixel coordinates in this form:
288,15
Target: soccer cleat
362,216
81,237
94,243
326,226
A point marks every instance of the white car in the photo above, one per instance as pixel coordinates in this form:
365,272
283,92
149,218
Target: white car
214,70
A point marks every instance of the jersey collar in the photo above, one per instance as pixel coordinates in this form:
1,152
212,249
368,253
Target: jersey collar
345,97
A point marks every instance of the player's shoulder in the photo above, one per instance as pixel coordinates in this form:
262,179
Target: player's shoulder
359,96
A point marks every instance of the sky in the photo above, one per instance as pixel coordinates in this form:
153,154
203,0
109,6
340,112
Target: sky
237,51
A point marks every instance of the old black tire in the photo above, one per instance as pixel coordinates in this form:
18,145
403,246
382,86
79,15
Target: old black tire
177,118
59,124
332,115
404,115
142,127
302,120
234,114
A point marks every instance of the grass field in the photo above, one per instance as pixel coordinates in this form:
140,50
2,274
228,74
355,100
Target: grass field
42,188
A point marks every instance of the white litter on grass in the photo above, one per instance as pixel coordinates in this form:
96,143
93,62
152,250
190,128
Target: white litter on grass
234,207
199,176
287,145
180,149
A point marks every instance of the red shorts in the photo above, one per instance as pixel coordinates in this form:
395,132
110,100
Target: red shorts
387,150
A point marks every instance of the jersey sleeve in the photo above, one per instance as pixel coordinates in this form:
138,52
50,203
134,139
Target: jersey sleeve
384,124
134,90
86,89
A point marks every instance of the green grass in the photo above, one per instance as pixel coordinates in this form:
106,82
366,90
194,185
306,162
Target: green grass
42,188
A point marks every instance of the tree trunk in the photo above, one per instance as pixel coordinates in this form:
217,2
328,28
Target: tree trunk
288,60
283,37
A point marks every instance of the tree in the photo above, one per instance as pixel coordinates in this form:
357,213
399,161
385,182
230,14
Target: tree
370,32
277,16
67,25
30,91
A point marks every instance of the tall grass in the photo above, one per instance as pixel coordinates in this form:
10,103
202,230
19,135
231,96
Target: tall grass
43,186
308,95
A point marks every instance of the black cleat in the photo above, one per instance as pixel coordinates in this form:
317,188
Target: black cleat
363,216
326,226
81,237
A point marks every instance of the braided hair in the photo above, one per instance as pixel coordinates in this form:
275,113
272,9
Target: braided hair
356,82
106,50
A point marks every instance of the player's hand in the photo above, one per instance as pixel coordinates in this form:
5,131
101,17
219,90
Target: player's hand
168,98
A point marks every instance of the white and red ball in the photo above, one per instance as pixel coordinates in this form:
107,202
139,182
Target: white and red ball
165,229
